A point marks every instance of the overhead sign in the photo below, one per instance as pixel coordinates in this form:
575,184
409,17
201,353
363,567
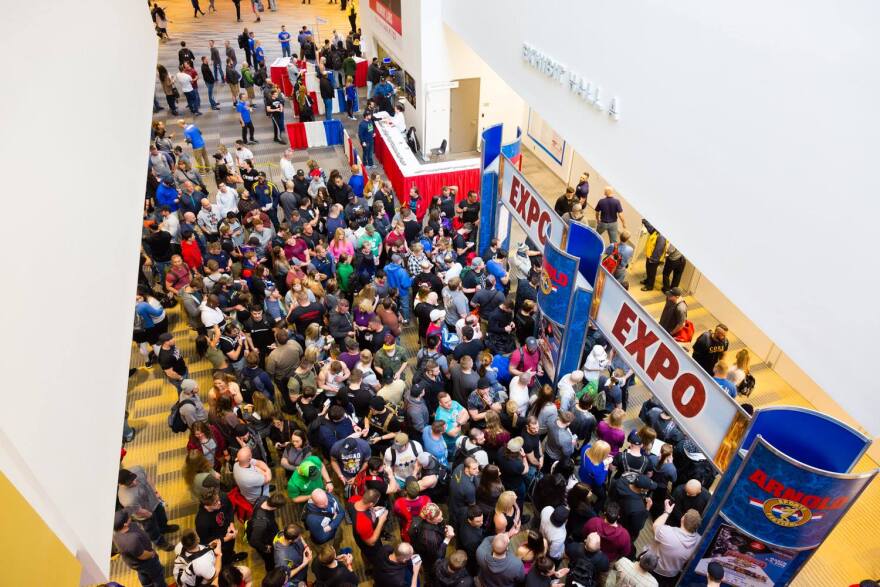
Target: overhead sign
538,219
389,12
704,411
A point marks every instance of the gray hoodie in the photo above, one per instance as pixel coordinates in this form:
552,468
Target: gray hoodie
498,572
417,412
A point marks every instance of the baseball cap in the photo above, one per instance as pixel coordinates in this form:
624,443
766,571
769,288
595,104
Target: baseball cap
634,438
401,439
531,343
644,482
349,444
477,262
424,458
165,337
126,476
188,385
559,515
390,338
377,403
307,469
437,315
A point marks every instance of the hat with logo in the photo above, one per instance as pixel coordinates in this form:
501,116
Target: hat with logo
644,482
634,438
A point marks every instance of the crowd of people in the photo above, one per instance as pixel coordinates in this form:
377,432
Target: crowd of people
379,370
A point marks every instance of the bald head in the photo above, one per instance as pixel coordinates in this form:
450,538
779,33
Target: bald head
693,488
499,544
403,552
244,456
319,498
593,542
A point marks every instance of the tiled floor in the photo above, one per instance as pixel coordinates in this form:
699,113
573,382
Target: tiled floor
852,552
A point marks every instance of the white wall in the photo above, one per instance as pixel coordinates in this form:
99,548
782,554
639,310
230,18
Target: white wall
72,249
747,131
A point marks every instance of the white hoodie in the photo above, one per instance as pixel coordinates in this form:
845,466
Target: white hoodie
596,362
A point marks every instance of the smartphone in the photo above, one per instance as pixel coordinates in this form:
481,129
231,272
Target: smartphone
416,559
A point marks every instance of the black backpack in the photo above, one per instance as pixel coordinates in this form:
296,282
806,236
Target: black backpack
175,420
747,385
580,574
461,454
629,474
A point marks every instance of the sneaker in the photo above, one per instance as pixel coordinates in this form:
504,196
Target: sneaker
239,556
167,547
170,528
254,142
646,288
197,114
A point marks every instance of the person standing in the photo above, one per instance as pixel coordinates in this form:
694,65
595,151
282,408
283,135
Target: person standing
674,545
263,527
275,108
675,312
184,54
673,268
216,62
193,136
245,45
137,552
237,4
622,253
366,131
244,118
140,499
188,89
170,359
232,78
259,55
169,88
326,87
284,39
374,74
710,347
608,213
197,9
208,76
655,252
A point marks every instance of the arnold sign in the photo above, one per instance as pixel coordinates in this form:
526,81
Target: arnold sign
703,410
540,221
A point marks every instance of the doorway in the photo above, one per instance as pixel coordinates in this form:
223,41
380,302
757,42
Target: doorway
464,112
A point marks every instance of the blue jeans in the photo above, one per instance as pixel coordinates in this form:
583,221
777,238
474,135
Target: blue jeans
328,108
368,159
404,301
192,101
211,95
219,73
611,227
155,524
198,98
369,89
176,382
285,49
151,573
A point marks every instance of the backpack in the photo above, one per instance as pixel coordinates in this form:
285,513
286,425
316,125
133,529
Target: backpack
630,474
175,420
580,574
686,334
613,259
360,481
415,450
461,453
426,356
449,338
747,385
388,417
183,565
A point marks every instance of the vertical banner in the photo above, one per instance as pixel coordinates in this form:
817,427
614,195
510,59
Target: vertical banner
575,330
558,274
490,161
513,149
774,514
587,245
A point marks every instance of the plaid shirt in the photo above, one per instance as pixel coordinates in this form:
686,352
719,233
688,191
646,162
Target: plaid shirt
414,264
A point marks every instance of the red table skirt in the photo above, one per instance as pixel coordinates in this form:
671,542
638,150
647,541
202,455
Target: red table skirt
429,185
360,74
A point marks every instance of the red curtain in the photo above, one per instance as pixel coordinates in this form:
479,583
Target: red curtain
314,97
296,133
360,74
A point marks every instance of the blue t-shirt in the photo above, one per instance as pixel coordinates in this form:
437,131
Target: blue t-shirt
259,55
284,37
626,253
727,386
244,111
608,209
592,475
192,132
497,269
435,447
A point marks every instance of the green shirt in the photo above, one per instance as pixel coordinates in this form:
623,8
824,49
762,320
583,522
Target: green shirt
343,272
375,241
299,485
390,365
349,66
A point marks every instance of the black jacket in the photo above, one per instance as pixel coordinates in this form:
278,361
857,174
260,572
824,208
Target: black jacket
207,74
326,88
443,577
262,528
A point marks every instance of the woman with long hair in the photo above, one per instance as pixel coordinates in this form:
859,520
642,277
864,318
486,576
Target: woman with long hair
339,245
496,435
579,498
544,408
224,385
295,452
593,469
611,430
487,492
530,549
208,439
506,517
169,87
664,475
510,418
738,372
197,471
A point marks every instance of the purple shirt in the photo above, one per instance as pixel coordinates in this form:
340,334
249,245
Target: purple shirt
608,208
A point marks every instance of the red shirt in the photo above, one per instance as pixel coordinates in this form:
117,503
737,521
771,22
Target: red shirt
191,253
364,525
615,543
407,509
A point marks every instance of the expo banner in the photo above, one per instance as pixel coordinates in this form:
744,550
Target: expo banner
576,329
541,223
558,276
704,411
587,245
773,515
490,160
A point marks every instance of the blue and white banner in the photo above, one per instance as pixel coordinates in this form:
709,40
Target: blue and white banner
489,167
558,275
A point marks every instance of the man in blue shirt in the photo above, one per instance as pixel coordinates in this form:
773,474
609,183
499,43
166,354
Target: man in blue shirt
193,136
244,118
284,39
608,212
625,250
259,54
719,372
366,136
497,267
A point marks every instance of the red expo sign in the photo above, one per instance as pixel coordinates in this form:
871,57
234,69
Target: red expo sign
530,211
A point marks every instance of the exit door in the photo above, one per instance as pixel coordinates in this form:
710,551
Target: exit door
464,112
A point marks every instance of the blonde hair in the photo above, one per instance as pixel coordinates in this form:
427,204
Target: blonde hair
506,501
365,305
313,331
310,356
598,452
743,360
615,418
493,425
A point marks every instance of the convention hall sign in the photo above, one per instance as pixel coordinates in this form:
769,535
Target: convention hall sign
704,411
